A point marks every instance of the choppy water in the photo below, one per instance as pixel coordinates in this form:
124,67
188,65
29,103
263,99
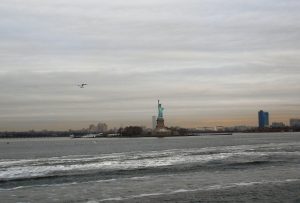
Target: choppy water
241,167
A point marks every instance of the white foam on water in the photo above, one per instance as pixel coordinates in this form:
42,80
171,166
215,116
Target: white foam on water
33,170
264,182
27,168
112,199
132,197
181,191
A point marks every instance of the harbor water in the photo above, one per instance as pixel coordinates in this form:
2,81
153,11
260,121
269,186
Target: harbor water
262,167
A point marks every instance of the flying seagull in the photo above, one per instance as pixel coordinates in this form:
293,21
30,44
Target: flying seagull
82,85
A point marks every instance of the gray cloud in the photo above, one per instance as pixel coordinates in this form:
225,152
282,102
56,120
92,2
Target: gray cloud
204,59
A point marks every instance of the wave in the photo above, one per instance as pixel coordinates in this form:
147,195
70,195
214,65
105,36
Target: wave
50,168
76,183
212,187
85,167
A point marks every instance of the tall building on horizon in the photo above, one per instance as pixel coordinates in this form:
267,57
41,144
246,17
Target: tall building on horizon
263,119
295,122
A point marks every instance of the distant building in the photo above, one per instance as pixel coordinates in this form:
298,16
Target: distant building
263,119
220,128
153,122
239,128
295,122
277,125
205,129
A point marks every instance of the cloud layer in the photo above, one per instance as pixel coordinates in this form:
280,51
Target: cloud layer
211,62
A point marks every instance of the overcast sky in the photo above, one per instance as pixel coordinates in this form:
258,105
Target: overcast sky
211,62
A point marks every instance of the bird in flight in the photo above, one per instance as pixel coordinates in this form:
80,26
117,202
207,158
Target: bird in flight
82,85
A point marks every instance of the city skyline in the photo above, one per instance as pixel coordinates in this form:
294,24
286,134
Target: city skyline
210,62
205,124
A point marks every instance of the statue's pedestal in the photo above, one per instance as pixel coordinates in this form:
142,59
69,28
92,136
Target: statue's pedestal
161,130
160,123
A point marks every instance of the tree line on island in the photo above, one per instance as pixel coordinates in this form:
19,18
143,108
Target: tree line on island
129,131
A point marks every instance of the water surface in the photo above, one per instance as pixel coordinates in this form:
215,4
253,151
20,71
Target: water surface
239,167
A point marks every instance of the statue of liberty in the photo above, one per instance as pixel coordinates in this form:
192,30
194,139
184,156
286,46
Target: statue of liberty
160,123
160,110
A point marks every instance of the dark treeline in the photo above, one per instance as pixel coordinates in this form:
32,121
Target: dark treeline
136,131
282,129
34,134
133,131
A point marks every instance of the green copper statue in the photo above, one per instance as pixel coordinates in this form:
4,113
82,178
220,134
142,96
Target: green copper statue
160,110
